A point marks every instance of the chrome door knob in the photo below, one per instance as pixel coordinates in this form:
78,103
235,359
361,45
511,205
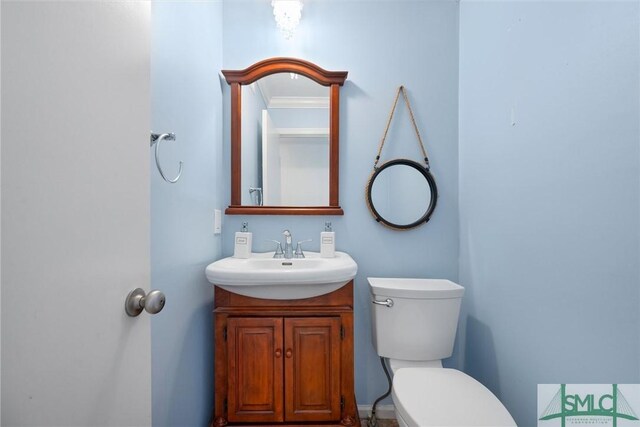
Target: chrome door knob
137,301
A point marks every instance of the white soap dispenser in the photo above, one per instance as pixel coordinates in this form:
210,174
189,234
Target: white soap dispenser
327,242
244,240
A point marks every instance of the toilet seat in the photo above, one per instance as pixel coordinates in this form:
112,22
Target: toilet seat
446,397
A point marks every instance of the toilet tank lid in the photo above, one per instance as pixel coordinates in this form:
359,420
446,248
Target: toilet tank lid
415,288
446,397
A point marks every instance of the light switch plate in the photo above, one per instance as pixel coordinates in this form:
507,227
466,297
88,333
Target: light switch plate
217,221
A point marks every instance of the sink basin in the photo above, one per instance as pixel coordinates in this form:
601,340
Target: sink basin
263,276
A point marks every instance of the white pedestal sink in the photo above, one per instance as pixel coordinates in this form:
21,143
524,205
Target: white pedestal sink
263,276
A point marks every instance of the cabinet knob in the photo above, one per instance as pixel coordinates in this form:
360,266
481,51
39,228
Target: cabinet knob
278,352
289,353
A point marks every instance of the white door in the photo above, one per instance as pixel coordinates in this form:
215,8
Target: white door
75,212
270,161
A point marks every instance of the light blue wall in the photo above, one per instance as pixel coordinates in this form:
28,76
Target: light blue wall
549,195
186,99
382,44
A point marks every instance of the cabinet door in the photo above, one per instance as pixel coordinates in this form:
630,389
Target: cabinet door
255,369
312,368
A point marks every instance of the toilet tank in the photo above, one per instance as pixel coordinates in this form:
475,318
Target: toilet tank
420,320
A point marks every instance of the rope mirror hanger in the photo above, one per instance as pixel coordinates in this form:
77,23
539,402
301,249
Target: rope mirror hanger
401,193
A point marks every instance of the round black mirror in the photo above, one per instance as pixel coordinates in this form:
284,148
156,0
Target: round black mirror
402,194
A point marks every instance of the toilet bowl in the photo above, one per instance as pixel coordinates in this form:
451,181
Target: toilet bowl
414,326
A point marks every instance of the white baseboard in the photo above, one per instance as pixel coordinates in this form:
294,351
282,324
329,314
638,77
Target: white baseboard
383,412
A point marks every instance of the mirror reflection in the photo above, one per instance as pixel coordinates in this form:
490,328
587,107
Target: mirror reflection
285,142
401,194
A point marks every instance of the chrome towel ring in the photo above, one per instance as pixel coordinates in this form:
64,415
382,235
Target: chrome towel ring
156,138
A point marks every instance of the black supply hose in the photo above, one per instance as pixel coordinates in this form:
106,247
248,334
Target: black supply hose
373,420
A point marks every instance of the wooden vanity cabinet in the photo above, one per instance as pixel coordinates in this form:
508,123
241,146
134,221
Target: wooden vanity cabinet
312,368
284,362
254,369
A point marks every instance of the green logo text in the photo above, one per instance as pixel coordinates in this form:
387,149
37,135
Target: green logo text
564,405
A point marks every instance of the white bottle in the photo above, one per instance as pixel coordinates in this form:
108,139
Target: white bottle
327,242
244,240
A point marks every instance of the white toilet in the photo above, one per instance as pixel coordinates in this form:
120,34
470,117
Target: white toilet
414,326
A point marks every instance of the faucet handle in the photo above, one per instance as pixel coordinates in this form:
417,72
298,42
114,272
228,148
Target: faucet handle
279,253
299,253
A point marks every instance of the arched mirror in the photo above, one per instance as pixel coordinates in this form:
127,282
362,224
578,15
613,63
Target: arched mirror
284,138
402,194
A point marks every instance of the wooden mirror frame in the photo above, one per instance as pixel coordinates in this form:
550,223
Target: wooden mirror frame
236,79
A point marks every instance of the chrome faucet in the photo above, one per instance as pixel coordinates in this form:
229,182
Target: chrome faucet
298,253
288,246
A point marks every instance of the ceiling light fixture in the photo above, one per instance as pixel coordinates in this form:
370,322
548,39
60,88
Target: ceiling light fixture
287,14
